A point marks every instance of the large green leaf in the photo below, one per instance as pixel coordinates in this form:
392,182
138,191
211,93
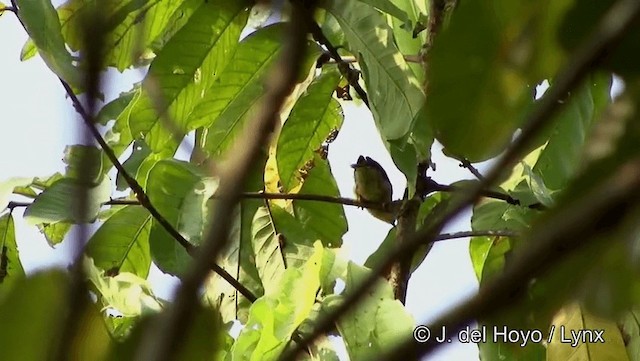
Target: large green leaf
60,202
467,64
274,317
377,324
183,71
312,119
326,220
83,163
121,244
169,184
118,137
132,26
125,292
43,25
394,92
11,270
236,90
269,257
560,158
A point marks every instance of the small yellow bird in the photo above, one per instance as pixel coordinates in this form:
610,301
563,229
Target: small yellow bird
373,185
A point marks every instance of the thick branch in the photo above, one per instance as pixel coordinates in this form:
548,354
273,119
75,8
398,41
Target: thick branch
615,24
163,341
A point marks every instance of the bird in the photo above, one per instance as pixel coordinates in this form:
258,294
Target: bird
372,185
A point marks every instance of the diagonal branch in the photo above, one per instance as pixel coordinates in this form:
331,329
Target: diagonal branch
163,341
616,22
352,75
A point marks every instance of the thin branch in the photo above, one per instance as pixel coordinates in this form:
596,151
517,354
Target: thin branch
163,341
252,195
352,75
615,24
143,199
349,59
465,234
464,163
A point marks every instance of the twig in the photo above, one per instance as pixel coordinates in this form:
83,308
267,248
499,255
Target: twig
464,163
351,74
144,201
252,195
616,22
163,341
465,234
349,59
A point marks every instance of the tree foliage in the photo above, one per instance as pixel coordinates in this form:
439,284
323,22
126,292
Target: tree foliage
253,222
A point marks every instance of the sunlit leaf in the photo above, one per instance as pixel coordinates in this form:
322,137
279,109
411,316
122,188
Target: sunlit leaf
183,70
326,220
312,119
121,244
43,25
394,92
60,202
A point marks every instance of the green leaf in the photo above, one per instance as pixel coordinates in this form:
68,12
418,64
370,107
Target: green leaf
395,94
326,220
314,116
561,157
132,164
169,184
84,163
274,317
41,297
183,71
121,244
11,270
125,292
60,202
538,187
133,25
489,254
390,8
54,233
236,90
378,323
269,257
29,50
464,64
41,21
119,136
